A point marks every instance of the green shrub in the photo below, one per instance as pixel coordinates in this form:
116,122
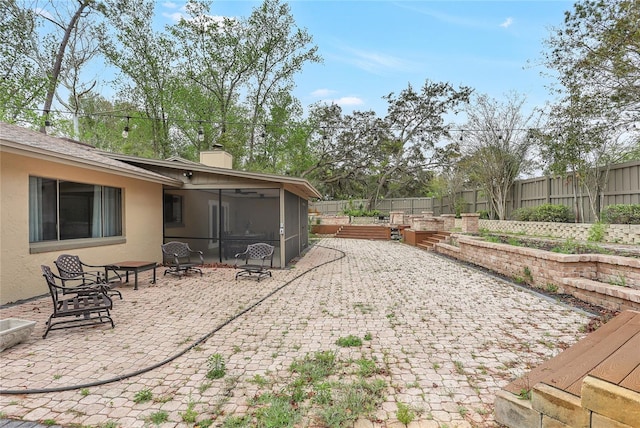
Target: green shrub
143,396
217,367
621,214
404,414
459,206
484,214
597,231
361,213
553,213
348,341
522,214
546,213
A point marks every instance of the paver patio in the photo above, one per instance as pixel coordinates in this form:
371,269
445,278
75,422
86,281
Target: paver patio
449,336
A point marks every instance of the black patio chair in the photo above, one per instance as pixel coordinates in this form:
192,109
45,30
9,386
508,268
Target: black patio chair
73,273
257,258
177,256
79,306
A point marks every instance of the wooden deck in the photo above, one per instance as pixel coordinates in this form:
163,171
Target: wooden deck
611,353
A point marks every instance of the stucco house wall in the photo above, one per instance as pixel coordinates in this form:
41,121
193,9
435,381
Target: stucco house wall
20,274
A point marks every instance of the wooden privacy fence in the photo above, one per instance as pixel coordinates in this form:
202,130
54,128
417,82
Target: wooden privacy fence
623,187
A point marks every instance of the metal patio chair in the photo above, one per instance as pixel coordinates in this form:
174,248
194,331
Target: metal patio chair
73,273
79,306
181,259
257,258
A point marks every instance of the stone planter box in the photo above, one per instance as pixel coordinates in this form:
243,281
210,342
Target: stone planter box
14,331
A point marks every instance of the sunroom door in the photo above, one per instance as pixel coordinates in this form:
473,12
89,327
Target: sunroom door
218,216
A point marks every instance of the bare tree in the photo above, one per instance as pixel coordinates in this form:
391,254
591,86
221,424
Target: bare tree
81,50
496,146
65,21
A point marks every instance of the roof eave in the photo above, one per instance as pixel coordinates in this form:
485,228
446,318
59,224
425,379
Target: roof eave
311,192
20,149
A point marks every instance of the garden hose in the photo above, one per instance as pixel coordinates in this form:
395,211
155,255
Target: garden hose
182,352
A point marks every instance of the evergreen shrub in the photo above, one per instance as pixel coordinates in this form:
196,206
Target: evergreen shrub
545,213
621,214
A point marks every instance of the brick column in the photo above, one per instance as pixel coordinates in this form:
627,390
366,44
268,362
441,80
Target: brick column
396,217
449,221
470,222
413,220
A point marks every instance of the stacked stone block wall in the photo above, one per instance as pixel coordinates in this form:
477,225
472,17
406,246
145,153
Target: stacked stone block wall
470,223
594,278
601,405
616,233
364,220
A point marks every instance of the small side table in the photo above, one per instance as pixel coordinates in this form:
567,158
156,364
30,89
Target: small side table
135,267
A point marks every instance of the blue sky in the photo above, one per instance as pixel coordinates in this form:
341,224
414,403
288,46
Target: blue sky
372,48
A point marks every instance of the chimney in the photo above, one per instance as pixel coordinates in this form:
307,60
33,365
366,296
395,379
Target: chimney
217,158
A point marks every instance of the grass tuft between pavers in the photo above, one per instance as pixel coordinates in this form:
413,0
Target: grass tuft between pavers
324,390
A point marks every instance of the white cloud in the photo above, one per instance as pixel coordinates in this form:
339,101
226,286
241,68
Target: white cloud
375,62
42,12
322,93
348,101
325,97
507,22
457,20
170,5
175,16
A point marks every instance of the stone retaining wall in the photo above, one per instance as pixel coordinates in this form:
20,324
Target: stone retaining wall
608,281
616,233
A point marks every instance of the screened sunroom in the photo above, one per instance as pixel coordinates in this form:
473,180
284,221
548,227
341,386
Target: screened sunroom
219,211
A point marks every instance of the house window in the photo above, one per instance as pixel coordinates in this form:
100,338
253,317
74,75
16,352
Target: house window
61,210
173,209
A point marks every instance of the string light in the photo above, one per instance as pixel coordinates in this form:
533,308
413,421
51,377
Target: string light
222,124
200,133
125,131
47,123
